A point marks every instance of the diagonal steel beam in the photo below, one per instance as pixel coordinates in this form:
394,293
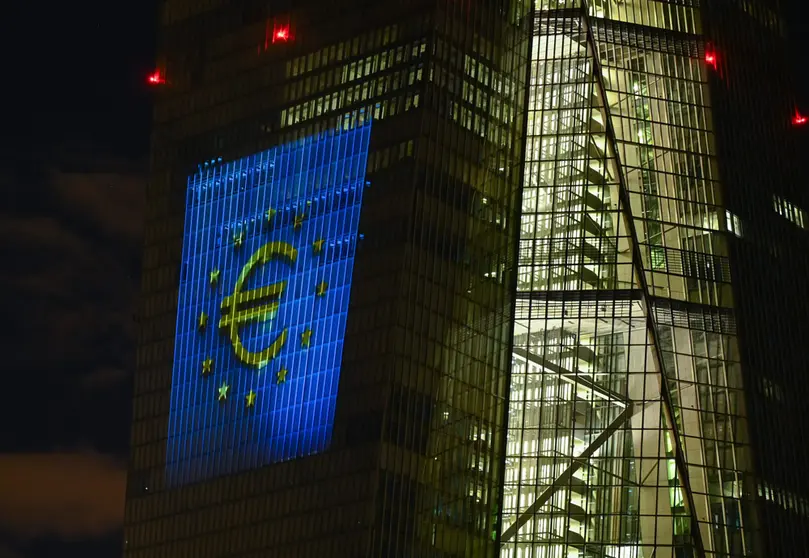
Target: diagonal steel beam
571,376
651,325
566,475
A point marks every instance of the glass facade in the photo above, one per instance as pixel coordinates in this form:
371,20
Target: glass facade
269,247
762,163
552,341
414,462
627,424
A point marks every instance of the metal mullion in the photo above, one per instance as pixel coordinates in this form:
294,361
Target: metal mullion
650,323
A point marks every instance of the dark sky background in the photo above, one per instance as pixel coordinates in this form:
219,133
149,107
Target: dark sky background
75,139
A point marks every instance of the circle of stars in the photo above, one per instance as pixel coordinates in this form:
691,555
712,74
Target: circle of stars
214,276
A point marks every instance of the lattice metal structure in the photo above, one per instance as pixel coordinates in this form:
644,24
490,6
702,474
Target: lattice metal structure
627,425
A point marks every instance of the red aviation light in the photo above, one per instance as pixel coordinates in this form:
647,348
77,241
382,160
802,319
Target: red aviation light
710,58
799,119
281,34
156,78
277,32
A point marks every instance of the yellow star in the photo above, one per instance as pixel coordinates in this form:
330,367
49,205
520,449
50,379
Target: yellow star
321,288
306,338
298,223
223,391
269,214
281,376
213,277
317,245
238,240
207,366
250,399
203,320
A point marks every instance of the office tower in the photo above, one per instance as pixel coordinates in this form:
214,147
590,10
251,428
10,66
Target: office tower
658,345
325,329
764,172
460,279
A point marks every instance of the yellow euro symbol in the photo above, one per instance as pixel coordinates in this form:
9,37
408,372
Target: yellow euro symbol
258,305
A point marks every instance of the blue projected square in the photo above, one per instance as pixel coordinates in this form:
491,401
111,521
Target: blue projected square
268,255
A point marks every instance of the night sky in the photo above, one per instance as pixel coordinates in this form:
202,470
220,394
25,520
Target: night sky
75,139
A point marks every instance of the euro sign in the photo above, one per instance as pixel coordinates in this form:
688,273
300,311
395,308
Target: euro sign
258,305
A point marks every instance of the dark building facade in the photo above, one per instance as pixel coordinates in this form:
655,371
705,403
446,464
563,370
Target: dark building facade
762,154
459,279
383,432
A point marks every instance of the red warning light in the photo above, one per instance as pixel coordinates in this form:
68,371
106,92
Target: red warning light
710,58
156,78
799,119
281,34
277,32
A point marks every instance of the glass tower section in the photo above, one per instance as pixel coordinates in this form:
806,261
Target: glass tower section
414,463
627,426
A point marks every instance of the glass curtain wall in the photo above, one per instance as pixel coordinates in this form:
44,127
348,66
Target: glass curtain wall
627,433
458,277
